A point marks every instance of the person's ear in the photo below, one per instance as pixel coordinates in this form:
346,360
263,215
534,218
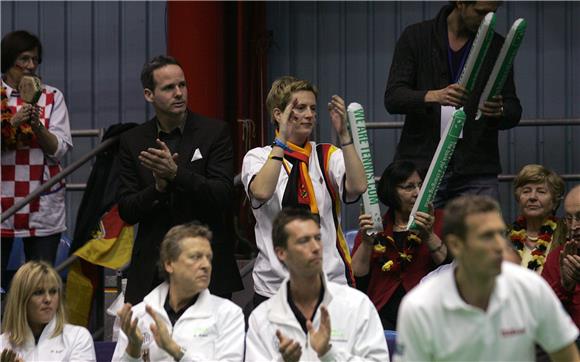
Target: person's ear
454,244
281,253
277,114
148,94
168,267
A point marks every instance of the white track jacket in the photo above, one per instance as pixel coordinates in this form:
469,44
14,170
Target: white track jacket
210,330
356,330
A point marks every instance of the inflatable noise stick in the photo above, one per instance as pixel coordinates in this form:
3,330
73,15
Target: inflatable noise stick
503,63
477,52
358,130
438,165
30,89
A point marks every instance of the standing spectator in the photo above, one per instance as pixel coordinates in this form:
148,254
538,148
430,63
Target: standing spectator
536,231
562,268
34,326
34,139
297,172
175,168
427,63
483,309
391,263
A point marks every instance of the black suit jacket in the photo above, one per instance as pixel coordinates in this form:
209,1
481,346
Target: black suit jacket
420,64
201,191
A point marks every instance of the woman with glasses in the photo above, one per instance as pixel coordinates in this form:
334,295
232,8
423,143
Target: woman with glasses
34,326
35,136
389,264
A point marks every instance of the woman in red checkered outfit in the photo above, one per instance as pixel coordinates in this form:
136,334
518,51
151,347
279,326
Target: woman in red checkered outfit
34,138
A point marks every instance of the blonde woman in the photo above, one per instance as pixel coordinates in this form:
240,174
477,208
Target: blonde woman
538,192
34,326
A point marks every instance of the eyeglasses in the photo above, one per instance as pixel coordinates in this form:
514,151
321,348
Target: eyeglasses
25,59
410,187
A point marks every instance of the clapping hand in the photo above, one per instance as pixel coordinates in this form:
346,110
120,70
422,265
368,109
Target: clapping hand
9,355
570,265
162,335
337,109
130,327
290,350
319,340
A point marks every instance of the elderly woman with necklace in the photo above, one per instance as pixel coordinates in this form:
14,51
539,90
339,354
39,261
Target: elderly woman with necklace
391,263
536,231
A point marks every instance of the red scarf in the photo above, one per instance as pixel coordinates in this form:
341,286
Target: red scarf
299,190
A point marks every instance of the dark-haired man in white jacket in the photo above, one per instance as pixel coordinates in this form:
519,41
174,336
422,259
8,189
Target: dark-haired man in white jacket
310,318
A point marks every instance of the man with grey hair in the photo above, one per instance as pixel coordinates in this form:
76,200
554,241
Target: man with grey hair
562,268
484,308
181,319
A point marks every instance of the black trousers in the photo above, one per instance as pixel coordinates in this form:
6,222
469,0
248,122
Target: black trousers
35,248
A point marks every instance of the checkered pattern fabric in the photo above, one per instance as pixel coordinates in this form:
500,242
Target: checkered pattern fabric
26,169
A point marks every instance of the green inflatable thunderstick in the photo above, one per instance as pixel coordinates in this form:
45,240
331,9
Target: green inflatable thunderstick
360,138
504,62
453,130
477,53
438,165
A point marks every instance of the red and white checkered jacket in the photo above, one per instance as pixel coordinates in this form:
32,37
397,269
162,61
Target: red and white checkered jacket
25,169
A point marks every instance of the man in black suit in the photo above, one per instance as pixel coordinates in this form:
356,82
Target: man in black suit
175,168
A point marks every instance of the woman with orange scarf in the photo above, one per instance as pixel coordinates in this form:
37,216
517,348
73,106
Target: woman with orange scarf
297,172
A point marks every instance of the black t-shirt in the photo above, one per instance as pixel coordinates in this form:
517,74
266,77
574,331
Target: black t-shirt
173,315
297,313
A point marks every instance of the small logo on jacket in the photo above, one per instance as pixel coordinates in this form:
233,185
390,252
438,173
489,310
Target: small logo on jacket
512,331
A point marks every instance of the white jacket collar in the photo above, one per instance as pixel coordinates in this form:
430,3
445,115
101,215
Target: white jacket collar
282,314
201,308
46,334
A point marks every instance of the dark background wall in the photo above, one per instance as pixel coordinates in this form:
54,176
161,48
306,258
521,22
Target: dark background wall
94,52
346,48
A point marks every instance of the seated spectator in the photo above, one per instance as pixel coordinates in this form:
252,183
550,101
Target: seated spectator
562,268
296,323
484,309
388,265
538,192
34,327
181,319
297,172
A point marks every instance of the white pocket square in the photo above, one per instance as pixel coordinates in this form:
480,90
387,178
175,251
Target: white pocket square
196,155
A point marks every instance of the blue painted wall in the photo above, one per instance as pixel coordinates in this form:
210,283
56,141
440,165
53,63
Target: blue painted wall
93,52
346,48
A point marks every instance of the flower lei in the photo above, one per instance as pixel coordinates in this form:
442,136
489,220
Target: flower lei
405,256
13,138
518,237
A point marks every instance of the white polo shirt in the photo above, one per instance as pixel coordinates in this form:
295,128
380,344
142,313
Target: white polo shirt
268,271
435,324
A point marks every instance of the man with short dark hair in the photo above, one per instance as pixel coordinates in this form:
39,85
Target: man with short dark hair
423,85
310,318
181,319
482,309
175,168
